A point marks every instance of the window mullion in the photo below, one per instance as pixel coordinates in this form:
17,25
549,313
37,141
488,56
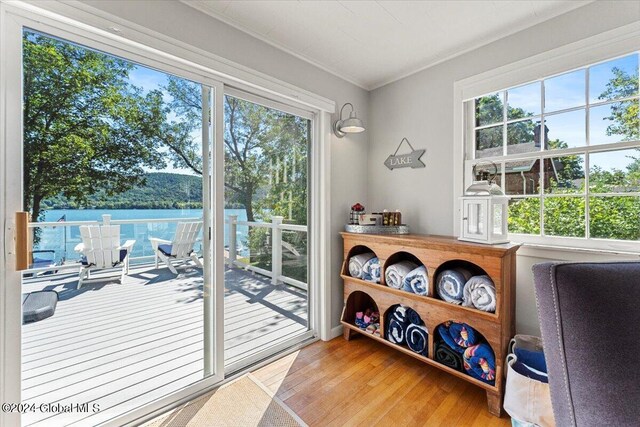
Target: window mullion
505,97
587,155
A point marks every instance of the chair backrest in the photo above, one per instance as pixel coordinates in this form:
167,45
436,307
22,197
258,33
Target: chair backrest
589,315
185,238
101,244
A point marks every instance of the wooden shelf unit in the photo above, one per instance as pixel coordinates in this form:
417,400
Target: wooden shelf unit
497,261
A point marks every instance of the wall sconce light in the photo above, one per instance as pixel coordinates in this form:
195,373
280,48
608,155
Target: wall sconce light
351,125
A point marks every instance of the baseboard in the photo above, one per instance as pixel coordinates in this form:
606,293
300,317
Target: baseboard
335,332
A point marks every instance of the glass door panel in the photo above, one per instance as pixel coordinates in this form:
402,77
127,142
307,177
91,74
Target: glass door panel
266,235
117,176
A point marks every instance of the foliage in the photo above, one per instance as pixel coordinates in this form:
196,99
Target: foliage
489,109
624,116
524,216
86,129
160,191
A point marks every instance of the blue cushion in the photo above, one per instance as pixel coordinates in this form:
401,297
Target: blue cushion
123,255
165,249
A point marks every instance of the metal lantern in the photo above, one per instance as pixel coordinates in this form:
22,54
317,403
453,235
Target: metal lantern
484,210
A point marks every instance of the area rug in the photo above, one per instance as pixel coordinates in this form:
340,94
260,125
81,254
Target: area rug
242,402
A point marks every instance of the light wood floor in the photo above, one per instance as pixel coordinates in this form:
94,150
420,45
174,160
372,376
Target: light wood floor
362,382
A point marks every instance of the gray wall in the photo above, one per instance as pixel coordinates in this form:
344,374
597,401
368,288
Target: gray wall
420,107
348,155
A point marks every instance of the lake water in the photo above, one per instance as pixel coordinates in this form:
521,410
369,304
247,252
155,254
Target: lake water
63,240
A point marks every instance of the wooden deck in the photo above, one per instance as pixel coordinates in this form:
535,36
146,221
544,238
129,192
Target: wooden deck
122,346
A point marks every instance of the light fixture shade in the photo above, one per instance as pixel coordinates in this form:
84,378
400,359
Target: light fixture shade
351,125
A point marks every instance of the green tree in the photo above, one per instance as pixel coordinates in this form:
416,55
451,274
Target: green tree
256,140
490,109
86,129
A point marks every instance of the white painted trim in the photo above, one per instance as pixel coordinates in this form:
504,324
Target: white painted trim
10,202
266,102
336,332
84,17
321,226
600,47
559,252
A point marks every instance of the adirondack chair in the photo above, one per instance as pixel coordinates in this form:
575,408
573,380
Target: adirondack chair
101,249
180,248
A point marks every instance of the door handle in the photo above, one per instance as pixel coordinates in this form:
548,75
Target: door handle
23,247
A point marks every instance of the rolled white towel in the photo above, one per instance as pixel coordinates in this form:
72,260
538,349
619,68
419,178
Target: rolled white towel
450,284
356,263
395,274
480,292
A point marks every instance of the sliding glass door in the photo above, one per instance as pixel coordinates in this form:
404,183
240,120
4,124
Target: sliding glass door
118,177
267,227
169,227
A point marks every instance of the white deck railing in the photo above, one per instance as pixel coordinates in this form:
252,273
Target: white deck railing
277,244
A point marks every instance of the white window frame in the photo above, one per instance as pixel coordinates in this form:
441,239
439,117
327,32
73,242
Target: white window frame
584,53
82,24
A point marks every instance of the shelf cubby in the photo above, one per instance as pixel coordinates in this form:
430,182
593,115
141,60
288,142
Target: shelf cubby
437,253
480,339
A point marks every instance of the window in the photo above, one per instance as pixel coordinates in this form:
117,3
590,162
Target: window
567,150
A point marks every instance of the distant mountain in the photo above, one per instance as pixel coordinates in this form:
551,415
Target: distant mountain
161,191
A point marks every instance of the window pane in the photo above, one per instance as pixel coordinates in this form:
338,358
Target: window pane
522,177
524,101
524,216
614,217
521,137
614,122
564,174
614,171
489,109
565,91
565,130
489,141
485,166
614,79
564,216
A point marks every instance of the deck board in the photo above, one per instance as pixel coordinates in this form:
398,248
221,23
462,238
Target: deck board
125,345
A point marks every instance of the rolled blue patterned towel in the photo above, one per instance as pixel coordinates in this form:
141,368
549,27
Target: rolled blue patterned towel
417,338
413,317
357,262
458,336
400,313
450,284
396,332
480,362
417,281
395,274
371,270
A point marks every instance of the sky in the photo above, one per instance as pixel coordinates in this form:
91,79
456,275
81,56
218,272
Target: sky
568,91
